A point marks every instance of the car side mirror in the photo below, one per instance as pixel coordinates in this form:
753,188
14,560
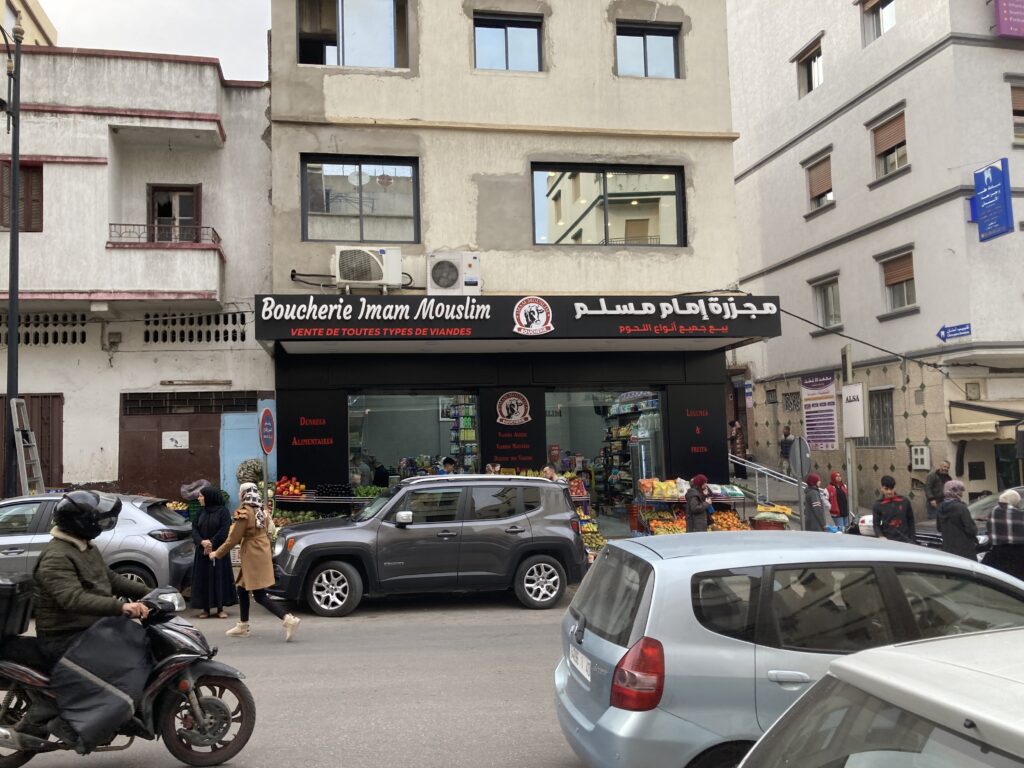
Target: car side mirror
403,519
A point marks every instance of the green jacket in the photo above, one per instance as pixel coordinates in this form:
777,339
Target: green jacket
74,588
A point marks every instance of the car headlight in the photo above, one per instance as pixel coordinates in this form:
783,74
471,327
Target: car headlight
278,545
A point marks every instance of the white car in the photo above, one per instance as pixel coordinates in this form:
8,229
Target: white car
947,703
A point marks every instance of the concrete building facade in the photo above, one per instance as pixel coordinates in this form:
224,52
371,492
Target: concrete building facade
39,30
861,126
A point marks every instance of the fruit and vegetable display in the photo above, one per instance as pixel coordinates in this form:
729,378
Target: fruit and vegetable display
288,518
249,471
589,527
177,506
778,509
576,486
727,520
335,490
593,540
662,527
368,491
289,486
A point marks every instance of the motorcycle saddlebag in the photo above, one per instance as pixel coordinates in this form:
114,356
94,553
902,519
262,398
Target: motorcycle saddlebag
100,679
15,604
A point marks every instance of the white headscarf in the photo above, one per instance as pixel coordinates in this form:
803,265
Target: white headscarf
250,495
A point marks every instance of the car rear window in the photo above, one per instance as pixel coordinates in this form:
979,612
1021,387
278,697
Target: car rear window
611,594
726,602
554,499
163,515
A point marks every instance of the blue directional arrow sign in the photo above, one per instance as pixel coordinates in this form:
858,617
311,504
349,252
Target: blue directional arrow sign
948,332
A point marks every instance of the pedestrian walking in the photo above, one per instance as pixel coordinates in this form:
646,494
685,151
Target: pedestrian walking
1005,526
893,515
838,500
213,584
814,505
785,448
698,505
954,522
934,488
493,469
249,529
738,448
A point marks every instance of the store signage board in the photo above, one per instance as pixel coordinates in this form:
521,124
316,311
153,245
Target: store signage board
312,317
818,392
174,441
853,411
267,431
948,332
510,432
992,205
1010,18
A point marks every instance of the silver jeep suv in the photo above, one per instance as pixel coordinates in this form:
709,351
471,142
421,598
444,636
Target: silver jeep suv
449,533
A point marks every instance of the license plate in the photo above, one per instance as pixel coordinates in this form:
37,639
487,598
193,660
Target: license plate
581,662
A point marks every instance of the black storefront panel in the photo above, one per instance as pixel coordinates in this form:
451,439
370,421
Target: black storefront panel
512,427
696,431
312,430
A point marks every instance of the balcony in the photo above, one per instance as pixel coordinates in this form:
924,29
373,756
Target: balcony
633,240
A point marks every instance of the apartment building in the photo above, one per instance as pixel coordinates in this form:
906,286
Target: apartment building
861,128
39,30
510,199
144,218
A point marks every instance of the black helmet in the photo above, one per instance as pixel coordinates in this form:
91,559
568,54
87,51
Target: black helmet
86,514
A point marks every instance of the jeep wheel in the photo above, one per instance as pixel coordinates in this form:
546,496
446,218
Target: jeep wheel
540,582
334,588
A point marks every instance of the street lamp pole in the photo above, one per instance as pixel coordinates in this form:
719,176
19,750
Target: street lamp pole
14,115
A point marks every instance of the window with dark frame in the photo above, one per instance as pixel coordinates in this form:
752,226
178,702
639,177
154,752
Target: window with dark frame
819,183
355,199
30,196
1017,97
898,276
354,33
881,427
879,17
890,141
628,205
175,213
810,69
647,50
507,42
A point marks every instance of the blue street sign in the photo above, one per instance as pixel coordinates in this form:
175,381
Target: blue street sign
991,206
947,332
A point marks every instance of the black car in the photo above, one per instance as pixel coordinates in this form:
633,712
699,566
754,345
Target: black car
450,533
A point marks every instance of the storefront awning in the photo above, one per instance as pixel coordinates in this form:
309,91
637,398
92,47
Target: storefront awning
986,430
333,324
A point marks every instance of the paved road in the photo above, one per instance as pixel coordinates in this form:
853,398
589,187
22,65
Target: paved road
426,681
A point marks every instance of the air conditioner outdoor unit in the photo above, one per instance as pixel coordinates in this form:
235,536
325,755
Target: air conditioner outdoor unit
367,267
453,274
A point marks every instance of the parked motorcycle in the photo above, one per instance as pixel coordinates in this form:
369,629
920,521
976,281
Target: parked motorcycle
199,707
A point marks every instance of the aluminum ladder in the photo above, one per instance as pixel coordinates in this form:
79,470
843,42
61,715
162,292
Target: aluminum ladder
30,468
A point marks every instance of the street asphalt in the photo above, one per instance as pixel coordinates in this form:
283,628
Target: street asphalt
427,681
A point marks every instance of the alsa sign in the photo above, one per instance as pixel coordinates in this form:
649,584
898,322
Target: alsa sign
294,317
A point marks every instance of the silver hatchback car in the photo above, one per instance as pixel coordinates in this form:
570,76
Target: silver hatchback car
680,651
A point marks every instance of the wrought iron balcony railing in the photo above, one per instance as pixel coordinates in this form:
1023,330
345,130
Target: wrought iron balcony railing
162,233
644,240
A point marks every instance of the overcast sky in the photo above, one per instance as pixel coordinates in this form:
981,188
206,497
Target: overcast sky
234,31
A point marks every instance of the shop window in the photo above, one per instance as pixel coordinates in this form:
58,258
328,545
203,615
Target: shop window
881,428
890,142
879,18
826,295
1017,97
647,50
819,183
810,67
624,206
898,276
30,196
360,200
371,33
510,42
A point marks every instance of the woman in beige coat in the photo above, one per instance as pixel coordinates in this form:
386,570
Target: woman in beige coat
249,528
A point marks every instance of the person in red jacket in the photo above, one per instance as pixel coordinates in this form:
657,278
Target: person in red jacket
838,501
893,516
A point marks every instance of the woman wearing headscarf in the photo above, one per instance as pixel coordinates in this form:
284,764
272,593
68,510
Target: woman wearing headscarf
814,505
954,521
213,586
249,529
1005,527
838,500
698,505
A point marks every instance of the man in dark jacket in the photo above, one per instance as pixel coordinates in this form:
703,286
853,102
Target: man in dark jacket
74,588
954,522
893,516
933,488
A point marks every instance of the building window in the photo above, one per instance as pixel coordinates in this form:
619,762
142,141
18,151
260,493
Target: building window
507,42
30,197
175,214
354,33
1017,94
827,299
647,50
879,18
890,140
810,69
898,275
881,431
819,183
625,205
771,396
360,199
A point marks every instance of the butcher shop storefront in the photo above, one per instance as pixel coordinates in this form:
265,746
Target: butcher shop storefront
617,387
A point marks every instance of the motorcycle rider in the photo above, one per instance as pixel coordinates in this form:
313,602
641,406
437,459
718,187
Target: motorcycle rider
74,588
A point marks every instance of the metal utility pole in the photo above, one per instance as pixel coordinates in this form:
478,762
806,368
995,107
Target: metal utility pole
851,438
13,123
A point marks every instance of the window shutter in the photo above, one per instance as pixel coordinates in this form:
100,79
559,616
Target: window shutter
819,177
867,5
1017,93
898,270
5,194
33,219
889,134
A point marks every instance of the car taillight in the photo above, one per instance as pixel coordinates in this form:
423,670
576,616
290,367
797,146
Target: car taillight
575,523
168,534
639,678
291,543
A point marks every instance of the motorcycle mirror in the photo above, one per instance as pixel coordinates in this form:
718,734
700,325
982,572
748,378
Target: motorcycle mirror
168,598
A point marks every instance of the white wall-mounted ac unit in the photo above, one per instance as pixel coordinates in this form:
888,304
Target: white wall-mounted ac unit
453,273
920,458
367,267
